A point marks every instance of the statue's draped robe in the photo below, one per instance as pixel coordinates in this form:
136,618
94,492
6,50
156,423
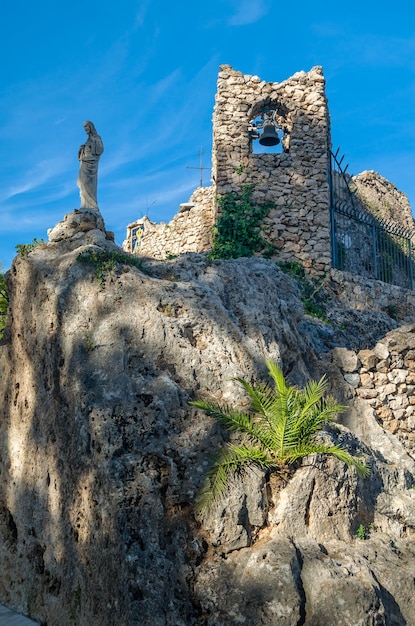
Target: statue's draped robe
88,171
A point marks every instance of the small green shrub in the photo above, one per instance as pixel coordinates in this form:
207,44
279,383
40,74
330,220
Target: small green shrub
167,309
361,532
238,230
89,344
24,248
106,263
308,287
293,268
315,310
392,311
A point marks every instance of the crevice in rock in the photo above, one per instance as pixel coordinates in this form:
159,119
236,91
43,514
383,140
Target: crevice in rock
307,506
296,569
392,608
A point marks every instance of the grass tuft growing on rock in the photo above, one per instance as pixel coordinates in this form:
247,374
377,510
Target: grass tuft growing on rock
24,248
106,262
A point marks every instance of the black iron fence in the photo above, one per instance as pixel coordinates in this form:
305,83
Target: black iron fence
363,244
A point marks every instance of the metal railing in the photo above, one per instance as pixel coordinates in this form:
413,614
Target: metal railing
363,244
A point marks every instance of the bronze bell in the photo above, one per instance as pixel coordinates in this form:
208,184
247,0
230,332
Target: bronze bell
269,135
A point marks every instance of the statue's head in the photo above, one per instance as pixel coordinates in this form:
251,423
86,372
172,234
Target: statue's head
90,128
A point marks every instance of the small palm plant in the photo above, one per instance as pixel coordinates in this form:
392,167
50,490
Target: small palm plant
281,426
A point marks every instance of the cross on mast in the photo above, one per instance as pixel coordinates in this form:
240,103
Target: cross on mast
200,168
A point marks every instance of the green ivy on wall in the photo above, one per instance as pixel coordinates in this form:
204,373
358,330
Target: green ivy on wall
238,231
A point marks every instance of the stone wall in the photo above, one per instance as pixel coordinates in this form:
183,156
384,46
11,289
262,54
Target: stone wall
189,231
296,180
384,377
360,293
387,382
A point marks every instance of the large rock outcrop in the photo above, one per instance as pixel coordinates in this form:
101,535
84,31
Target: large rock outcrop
101,456
381,198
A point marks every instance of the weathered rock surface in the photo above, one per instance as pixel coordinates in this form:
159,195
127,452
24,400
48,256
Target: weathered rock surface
101,457
381,198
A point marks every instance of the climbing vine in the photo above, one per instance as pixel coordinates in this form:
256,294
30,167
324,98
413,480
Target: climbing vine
238,231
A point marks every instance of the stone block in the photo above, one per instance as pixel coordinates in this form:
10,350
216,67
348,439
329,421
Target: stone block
381,351
368,359
366,381
384,413
393,426
383,366
353,379
398,376
388,389
366,393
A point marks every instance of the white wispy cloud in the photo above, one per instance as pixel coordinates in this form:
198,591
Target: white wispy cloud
141,13
386,51
163,128
36,177
40,220
249,12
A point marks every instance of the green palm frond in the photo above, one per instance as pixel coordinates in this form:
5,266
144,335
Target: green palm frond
258,433
262,396
280,427
230,461
316,416
231,418
278,378
338,452
362,468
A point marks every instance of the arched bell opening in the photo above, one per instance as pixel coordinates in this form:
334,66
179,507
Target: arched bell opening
267,129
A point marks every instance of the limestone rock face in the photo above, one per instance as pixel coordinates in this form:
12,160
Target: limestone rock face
101,456
383,199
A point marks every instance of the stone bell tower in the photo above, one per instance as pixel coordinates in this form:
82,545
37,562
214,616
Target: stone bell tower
296,179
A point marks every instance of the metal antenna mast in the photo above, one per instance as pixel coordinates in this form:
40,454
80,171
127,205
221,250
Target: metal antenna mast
200,168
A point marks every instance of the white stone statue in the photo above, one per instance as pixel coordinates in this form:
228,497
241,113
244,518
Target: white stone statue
88,156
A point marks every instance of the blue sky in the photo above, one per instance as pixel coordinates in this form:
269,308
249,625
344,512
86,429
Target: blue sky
145,73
